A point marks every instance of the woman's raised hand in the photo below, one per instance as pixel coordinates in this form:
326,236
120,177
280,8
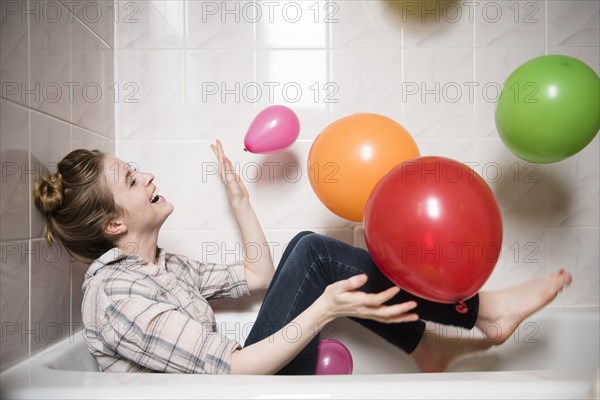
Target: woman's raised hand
236,191
342,299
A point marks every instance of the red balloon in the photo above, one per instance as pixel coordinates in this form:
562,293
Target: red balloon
433,227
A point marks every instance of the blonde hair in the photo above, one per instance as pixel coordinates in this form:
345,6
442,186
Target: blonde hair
77,204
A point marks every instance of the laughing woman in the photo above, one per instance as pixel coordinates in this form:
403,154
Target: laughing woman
145,309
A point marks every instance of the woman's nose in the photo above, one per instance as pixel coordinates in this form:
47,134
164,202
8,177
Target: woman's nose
149,178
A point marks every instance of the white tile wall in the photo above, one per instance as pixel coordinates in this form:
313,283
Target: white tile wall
436,87
510,23
363,24
149,24
367,85
98,16
207,30
186,72
573,23
436,67
435,23
50,294
57,94
92,69
14,53
50,59
50,138
575,248
14,156
14,300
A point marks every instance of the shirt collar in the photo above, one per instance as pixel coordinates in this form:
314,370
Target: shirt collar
116,255
160,258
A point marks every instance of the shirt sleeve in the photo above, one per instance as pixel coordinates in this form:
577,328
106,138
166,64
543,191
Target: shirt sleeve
214,280
223,280
161,338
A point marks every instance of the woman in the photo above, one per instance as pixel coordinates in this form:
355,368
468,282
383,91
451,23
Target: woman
147,310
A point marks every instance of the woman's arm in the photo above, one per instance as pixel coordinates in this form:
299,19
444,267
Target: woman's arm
340,299
258,267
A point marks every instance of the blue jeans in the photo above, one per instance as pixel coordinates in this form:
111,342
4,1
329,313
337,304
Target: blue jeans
309,264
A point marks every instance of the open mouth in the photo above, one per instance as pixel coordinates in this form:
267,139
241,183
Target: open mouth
154,197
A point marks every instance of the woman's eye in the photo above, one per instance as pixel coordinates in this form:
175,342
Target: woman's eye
133,182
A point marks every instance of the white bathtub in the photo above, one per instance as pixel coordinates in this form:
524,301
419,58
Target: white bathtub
553,355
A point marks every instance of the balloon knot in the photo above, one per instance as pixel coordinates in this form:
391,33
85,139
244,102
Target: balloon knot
245,149
461,307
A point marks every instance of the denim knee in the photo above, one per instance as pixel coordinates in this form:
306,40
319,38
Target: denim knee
315,246
311,241
300,235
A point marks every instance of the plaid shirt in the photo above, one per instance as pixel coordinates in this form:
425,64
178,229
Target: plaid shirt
144,317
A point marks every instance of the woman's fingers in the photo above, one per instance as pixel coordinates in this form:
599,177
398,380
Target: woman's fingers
235,187
392,314
217,148
401,318
395,309
371,305
376,299
369,299
218,154
226,165
352,283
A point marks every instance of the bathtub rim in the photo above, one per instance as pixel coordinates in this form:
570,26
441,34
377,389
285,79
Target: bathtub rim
534,384
32,378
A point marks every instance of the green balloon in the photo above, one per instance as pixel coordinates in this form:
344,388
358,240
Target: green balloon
549,108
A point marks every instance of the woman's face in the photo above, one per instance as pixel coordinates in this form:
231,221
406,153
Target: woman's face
137,195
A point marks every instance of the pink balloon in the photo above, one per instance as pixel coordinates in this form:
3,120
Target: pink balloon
272,130
333,358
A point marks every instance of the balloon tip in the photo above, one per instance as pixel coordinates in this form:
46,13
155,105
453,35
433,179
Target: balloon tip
461,307
245,149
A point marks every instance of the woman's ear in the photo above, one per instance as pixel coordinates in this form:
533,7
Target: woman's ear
115,227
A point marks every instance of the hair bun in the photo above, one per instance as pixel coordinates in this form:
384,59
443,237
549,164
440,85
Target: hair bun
48,192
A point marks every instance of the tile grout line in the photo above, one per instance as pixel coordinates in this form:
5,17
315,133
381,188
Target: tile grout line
29,187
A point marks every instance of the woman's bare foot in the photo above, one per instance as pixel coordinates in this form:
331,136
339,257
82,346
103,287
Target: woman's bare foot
501,312
435,352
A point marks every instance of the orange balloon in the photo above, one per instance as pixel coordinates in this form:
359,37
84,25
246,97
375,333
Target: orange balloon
350,155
